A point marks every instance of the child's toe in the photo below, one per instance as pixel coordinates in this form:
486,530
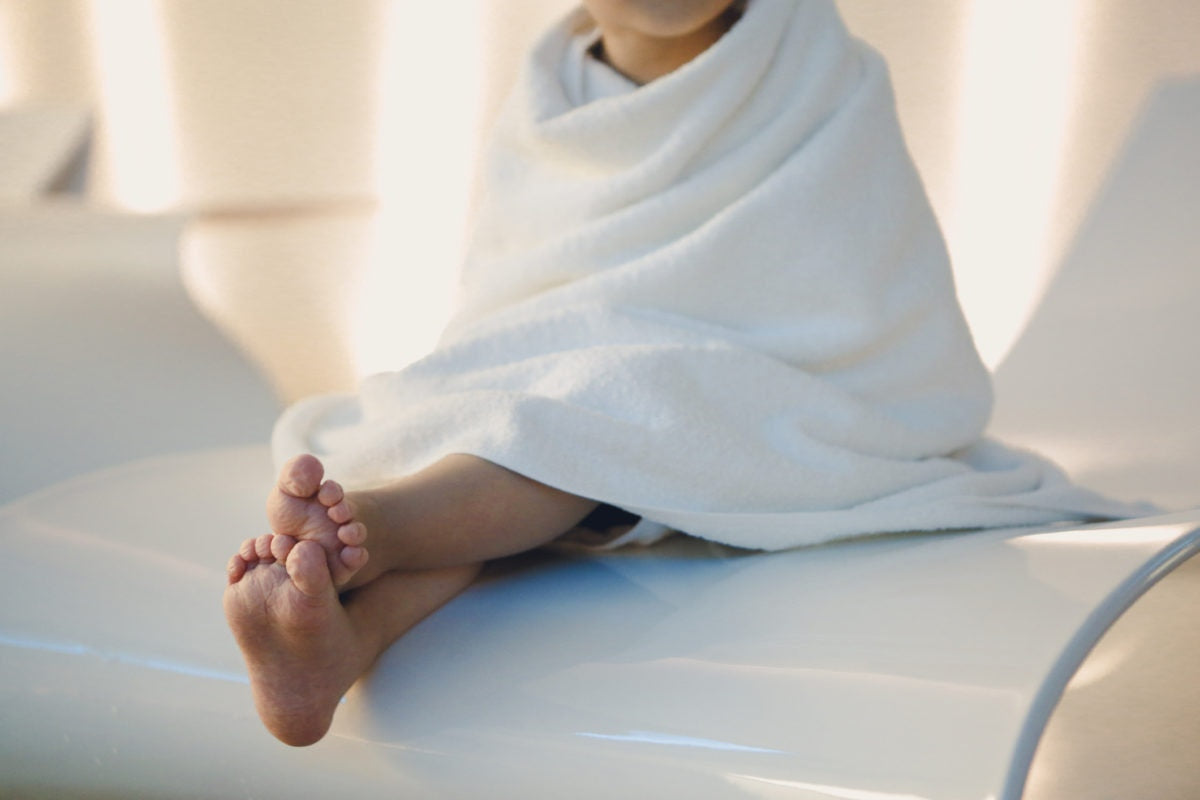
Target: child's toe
352,534
236,568
301,477
281,545
262,547
353,558
341,513
330,493
247,551
309,571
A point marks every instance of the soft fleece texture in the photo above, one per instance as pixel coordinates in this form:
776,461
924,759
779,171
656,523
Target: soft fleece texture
720,301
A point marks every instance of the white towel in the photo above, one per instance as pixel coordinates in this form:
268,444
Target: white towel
719,301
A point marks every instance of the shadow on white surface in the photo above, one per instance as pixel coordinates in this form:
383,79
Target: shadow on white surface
1105,379
39,146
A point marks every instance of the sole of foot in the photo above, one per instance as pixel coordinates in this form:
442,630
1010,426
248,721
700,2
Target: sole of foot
297,640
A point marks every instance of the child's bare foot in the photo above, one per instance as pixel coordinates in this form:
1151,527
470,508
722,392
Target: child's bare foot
305,508
300,646
310,619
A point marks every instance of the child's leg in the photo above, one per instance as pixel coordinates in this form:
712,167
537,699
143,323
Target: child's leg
461,510
428,533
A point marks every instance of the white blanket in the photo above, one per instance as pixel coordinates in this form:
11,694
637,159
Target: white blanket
719,301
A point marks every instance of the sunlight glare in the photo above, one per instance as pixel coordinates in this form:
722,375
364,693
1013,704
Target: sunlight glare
1020,68
8,81
804,789
431,98
136,153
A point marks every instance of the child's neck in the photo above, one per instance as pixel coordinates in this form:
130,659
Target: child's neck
642,58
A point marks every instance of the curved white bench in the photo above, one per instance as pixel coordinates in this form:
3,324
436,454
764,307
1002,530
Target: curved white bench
104,356
924,666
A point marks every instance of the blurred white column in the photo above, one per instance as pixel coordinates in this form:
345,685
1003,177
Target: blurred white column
283,286
45,52
8,86
104,58
47,95
275,109
1018,91
431,91
276,102
135,164
209,105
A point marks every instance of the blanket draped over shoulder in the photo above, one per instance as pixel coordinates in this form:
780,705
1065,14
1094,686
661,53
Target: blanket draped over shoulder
719,301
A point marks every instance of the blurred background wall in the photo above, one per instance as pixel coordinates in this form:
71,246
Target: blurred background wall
323,152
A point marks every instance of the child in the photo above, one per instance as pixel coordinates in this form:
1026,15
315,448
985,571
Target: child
705,288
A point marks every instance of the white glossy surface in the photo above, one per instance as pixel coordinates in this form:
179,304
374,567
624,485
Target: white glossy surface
1105,378
906,667
103,354
1125,725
